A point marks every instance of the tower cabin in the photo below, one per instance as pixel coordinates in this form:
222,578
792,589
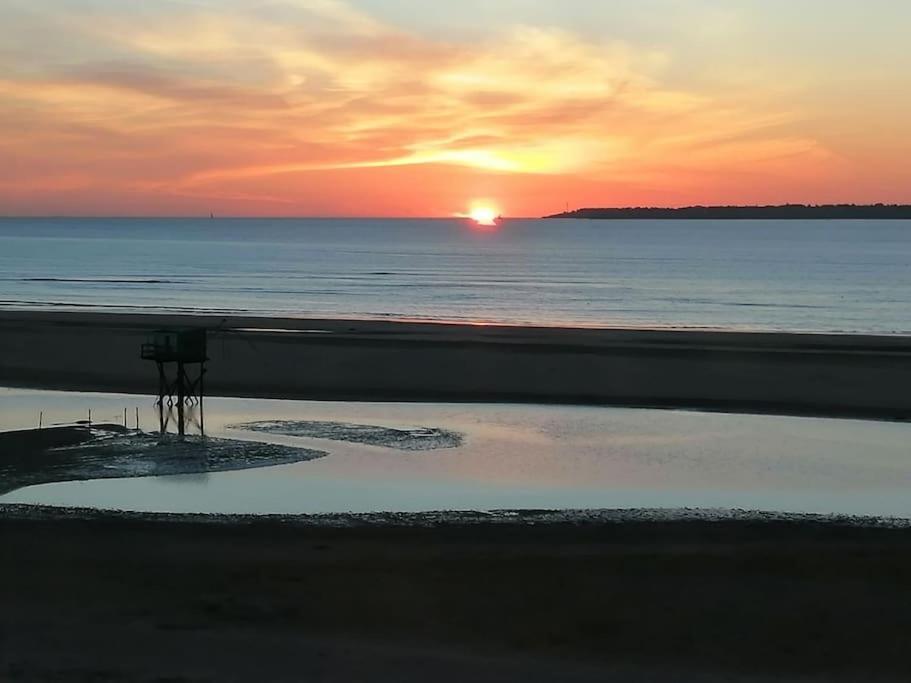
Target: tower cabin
182,347
176,346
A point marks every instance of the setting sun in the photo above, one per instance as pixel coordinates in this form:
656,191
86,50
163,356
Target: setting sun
483,215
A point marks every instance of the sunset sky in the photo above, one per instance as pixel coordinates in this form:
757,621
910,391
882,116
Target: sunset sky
423,108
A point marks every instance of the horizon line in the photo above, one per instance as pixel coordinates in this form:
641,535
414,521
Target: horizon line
210,216
244,217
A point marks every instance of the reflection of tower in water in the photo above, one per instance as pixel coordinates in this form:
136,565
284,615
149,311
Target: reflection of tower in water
177,353
169,414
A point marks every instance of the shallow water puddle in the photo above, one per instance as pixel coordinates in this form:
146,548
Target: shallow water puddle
506,457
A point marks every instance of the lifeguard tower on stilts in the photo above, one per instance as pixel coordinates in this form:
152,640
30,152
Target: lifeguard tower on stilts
180,383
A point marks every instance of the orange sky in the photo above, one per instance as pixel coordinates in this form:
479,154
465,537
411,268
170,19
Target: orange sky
325,107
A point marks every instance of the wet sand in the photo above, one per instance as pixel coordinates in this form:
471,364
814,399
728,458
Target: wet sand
141,599
800,374
105,451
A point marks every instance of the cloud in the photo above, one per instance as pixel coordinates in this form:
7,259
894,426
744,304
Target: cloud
157,83
189,97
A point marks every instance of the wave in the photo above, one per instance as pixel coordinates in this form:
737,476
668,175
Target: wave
27,304
744,304
102,280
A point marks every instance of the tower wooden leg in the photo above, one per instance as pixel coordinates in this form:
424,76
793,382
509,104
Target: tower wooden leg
202,417
181,398
162,384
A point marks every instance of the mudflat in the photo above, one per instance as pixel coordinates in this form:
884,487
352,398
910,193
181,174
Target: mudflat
800,374
105,451
157,598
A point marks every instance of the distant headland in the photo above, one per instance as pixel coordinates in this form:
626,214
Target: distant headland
779,212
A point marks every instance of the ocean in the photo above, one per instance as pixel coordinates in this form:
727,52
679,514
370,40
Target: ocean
813,276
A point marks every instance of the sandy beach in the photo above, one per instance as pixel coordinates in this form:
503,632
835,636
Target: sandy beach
130,598
801,374
524,596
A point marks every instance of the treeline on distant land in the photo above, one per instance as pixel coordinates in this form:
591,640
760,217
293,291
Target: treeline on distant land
781,212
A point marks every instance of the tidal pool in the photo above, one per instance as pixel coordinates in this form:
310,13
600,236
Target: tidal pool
505,457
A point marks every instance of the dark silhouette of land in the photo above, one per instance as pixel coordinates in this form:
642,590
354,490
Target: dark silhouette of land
782,212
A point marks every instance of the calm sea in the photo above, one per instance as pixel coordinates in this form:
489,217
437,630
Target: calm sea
845,276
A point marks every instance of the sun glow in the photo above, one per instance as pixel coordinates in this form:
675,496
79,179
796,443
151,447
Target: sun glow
483,215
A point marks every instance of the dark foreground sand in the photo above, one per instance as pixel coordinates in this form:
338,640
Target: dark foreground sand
126,598
832,375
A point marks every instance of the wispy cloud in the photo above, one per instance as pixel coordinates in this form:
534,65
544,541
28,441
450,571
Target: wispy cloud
207,99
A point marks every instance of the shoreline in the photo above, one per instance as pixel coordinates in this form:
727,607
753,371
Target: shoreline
291,323
823,375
